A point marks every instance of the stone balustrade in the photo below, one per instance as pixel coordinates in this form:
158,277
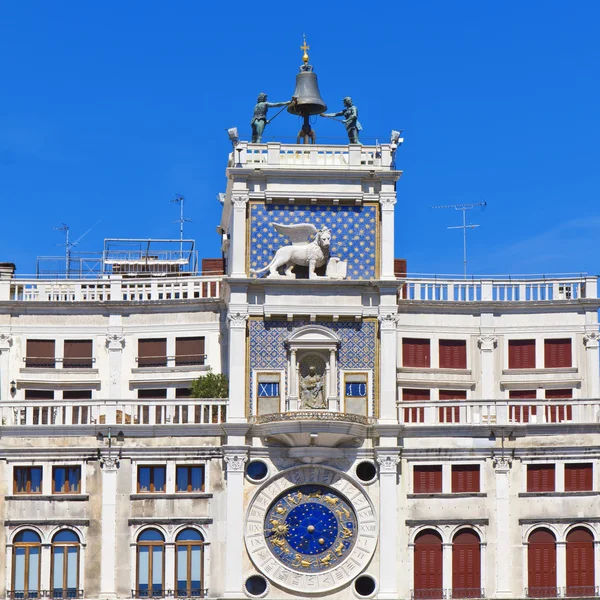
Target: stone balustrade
498,290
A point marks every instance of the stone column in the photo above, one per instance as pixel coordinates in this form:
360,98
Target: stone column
446,566
504,571
388,375
115,342
292,399
236,412
388,460
237,267
387,203
333,392
6,341
591,339
110,469
561,564
235,459
487,343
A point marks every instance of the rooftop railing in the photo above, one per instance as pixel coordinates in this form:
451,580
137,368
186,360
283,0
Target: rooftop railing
115,289
498,289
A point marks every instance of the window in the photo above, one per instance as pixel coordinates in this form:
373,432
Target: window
414,415
77,395
557,353
189,564
540,478
453,354
356,393
578,477
150,564
152,394
151,479
189,351
39,395
428,566
26,565
466,565
465,479
415,352
152,353
78,354
268,392
427,479
541,564
451,414
190,478
557,413
183,392
520,412
580,563
521,354
66,480
40,354
27,480
41,415
65,565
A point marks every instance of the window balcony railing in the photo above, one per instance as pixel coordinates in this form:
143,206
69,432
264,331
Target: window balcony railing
162,593
45,362
570,591
447,594
37,594
179,360
188,411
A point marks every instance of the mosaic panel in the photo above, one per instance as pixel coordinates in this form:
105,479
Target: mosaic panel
353,233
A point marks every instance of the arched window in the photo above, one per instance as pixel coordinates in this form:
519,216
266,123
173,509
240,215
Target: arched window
428,566
541,564
150,563
466,565
65,565
189,564
26,564
580,563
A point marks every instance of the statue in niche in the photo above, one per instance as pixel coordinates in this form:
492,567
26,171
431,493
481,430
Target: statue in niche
312,390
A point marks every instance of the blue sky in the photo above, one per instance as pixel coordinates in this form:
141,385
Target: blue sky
108,110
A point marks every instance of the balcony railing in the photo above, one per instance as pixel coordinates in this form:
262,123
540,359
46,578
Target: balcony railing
570,591
189,411
161,593
447,594
499,412
37,594
498,289
115,289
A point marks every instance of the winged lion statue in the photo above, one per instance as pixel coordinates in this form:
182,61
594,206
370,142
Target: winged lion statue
312,254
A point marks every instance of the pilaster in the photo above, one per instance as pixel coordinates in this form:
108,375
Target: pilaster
235,459
237,367
115,342
487,343
504,572
591,340
389,543
388,377
387,202
6,342
110,467
238,232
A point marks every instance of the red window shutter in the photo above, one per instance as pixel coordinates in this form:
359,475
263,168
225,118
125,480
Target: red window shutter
580,563
415,415
213,266
189,351
152,353
428,568
521,354
541,564
557,413
451,414
578,477
427,479
78,354
521,413
540,478
466,565
415,353
465,479
40,354
453,354
557,353
400,267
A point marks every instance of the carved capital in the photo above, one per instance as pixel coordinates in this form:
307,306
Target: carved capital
235,462
6,341
502,463
387,202
237,320
388,463
240,202
115,341
388,322
110,462
591,339
487,343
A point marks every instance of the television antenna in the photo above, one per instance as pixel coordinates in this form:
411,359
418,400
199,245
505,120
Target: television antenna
180,200
464,208
70,245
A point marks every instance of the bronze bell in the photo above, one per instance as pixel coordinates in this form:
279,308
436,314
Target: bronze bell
308,98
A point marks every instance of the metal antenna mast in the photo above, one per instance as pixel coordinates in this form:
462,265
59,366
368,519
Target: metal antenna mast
180,199
67,246
464,208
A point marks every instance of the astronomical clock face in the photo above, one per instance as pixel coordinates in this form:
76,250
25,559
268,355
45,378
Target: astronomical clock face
311,529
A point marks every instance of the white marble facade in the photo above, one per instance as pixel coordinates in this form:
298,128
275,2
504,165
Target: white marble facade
447,418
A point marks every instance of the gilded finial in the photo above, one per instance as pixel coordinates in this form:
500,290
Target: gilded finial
304,47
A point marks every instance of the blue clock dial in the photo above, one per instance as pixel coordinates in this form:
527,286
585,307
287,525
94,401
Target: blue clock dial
310,528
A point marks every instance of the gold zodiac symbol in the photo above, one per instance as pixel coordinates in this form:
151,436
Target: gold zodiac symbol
280,543
346,533
343,510
327,559
279,529
301,562
296,498
316,494
280,509
339,549
331,500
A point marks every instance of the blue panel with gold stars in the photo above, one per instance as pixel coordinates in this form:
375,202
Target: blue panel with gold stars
353,233
310,528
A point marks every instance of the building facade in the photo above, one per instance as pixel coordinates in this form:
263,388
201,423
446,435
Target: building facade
383,436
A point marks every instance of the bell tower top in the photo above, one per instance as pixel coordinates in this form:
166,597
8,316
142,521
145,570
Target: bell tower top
305,47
